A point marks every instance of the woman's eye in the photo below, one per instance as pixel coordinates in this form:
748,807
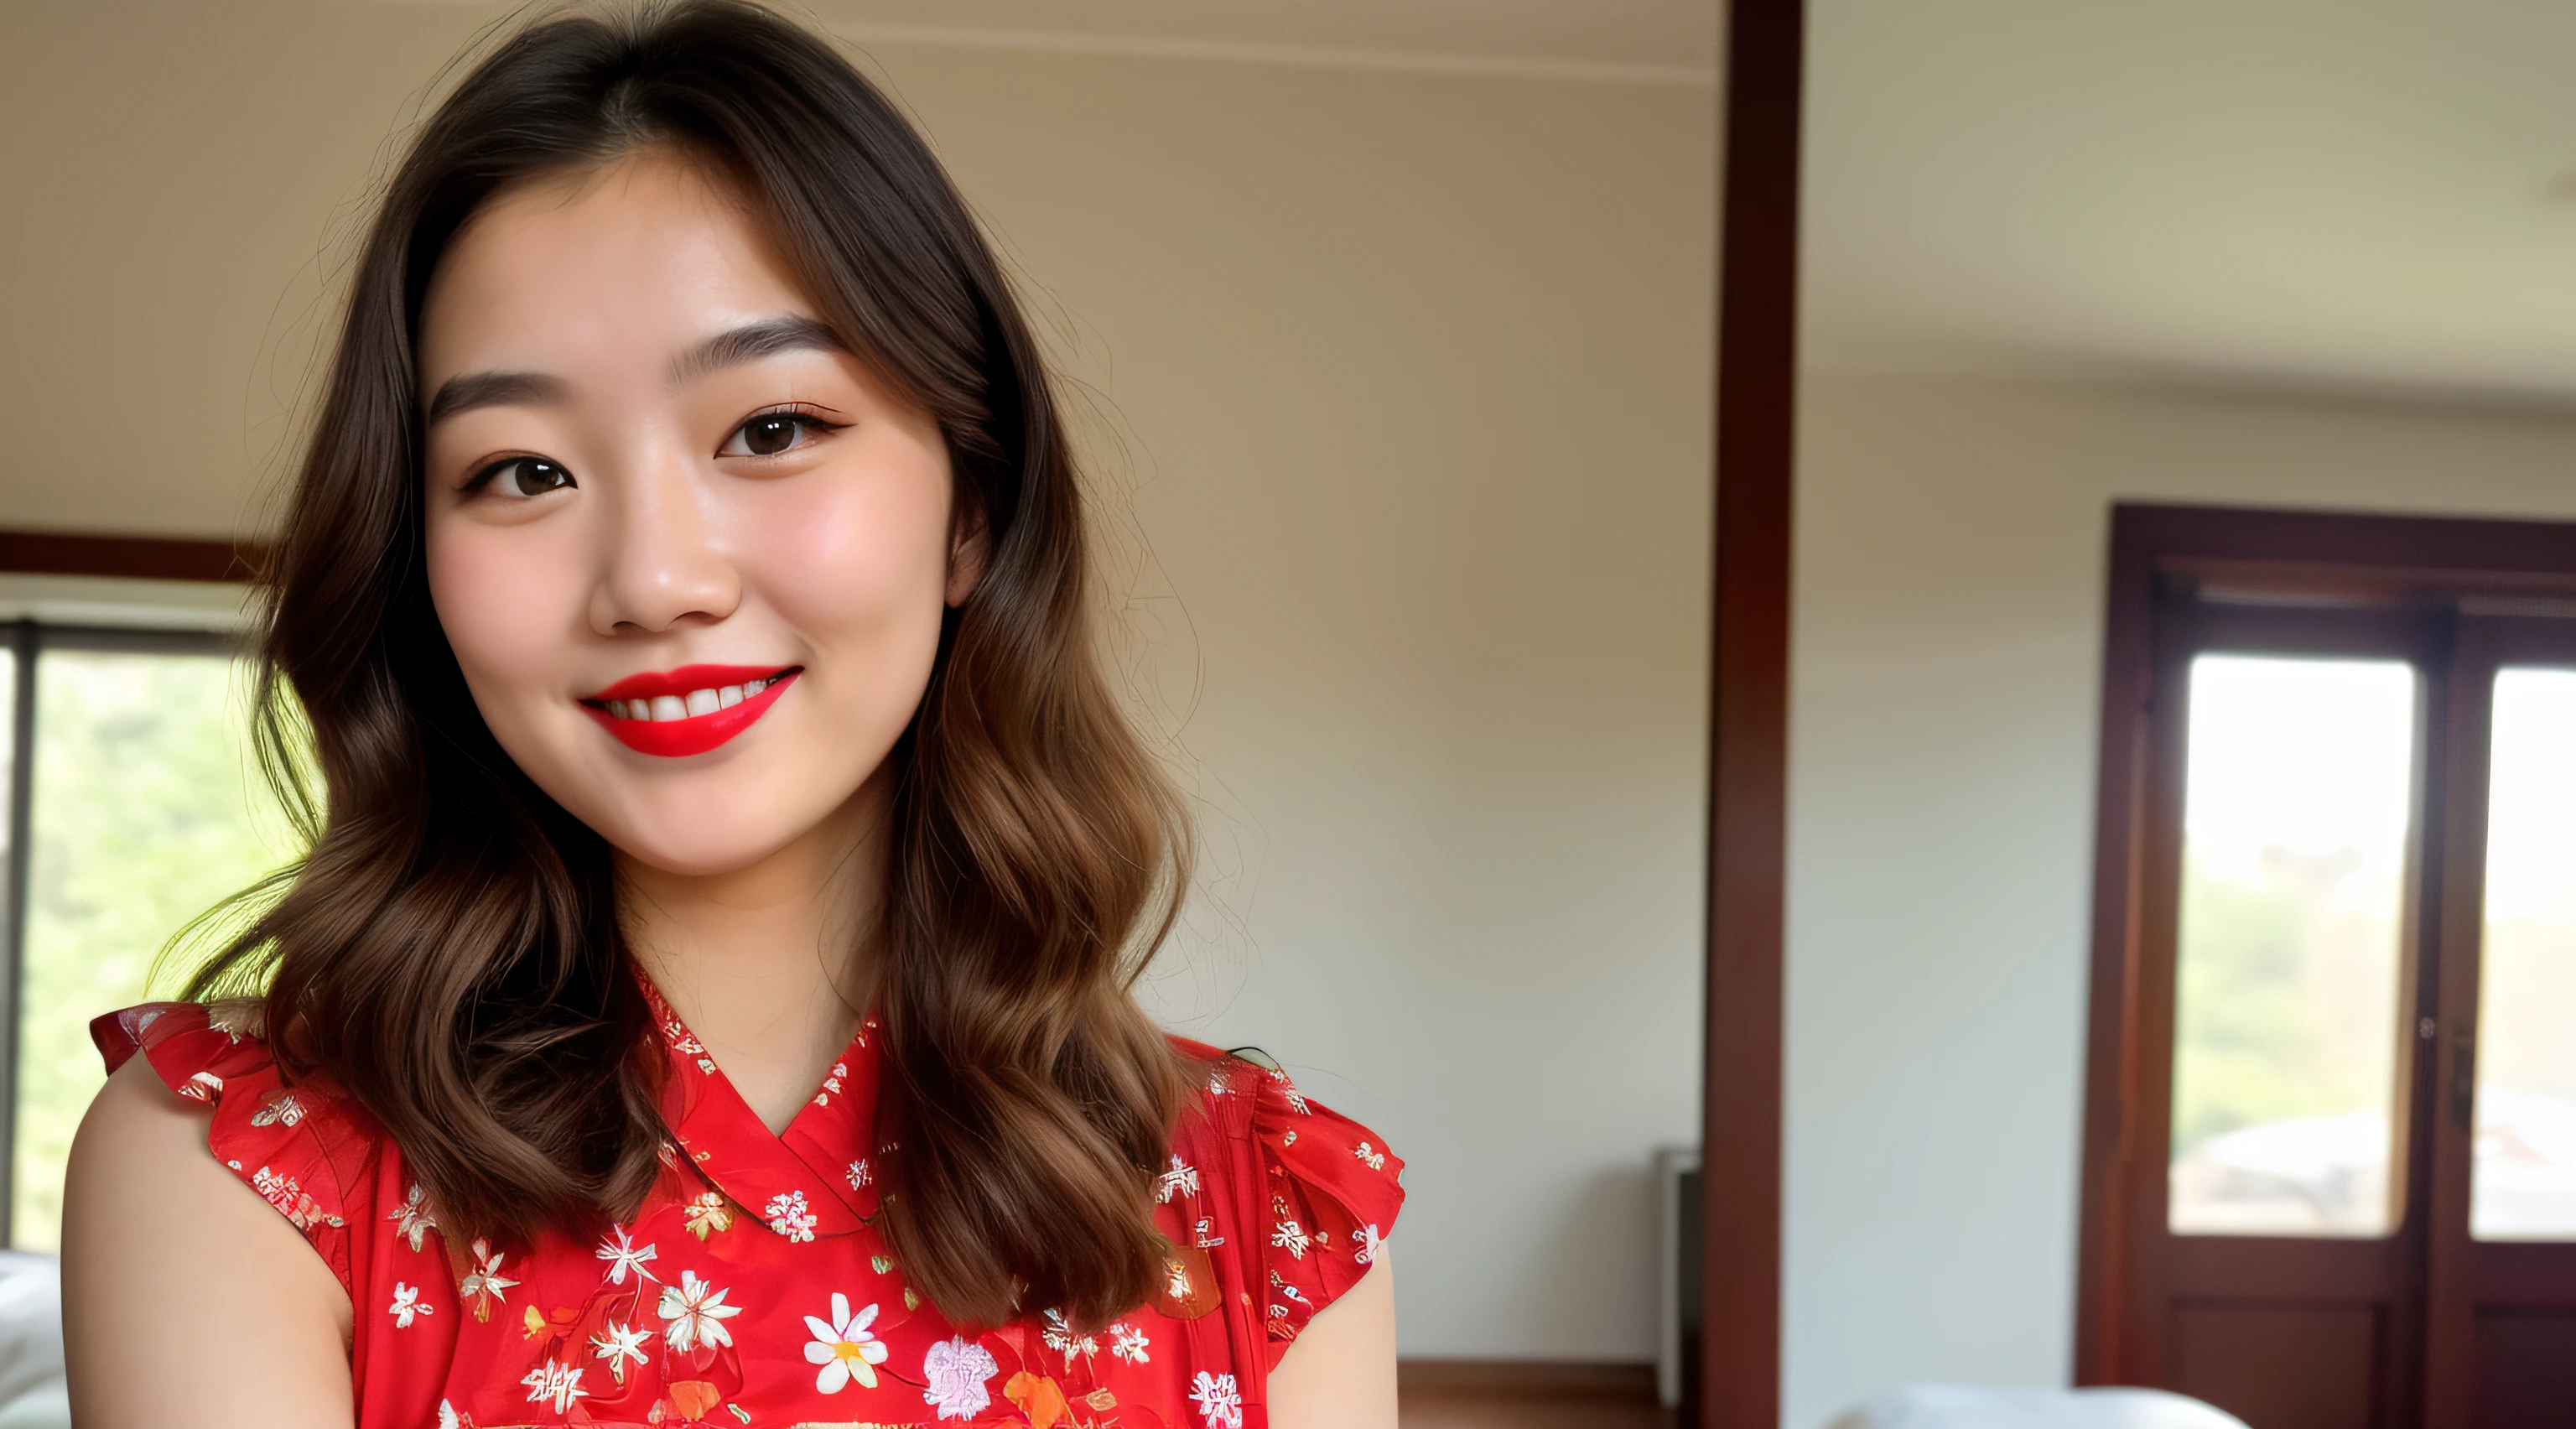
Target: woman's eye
524,476
771,433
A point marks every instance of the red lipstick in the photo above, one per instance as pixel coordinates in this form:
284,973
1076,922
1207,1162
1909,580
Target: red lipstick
690,710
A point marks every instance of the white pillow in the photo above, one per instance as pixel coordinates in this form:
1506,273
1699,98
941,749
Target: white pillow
1946,1406
31,1342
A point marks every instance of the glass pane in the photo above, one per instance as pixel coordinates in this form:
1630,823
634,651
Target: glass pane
144,818
2297,806
2523,1176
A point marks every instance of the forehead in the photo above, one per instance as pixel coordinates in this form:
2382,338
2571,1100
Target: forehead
630,259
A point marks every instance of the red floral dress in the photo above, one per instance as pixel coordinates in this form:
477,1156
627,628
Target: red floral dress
752,1288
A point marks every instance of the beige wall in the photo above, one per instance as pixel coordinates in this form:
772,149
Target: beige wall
1409,375
1951,560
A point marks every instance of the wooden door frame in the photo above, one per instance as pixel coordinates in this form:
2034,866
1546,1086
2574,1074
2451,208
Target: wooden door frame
156,558
2357,559
1738,1386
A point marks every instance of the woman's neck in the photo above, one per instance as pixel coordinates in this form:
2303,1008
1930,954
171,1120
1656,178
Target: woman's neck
767,963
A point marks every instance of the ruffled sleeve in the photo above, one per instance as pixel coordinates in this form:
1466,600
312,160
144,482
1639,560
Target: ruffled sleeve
1333,1192
311,1155
1319,1197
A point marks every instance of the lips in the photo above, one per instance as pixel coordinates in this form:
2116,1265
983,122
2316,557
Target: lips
690,710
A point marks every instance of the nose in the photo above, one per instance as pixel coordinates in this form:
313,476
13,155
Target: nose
664,567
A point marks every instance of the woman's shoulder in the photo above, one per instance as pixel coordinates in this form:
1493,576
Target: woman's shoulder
1303,1195
311,1153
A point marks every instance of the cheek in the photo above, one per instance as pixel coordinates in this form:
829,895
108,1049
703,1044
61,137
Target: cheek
862,562
501,606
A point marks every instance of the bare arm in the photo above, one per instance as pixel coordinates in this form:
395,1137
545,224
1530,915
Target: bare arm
1340,1374
186,1300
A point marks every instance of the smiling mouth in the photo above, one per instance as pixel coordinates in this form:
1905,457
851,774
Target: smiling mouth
690,710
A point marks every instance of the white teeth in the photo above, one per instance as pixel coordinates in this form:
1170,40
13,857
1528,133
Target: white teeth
688,706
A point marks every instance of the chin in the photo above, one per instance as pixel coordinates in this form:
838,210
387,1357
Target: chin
705,851
722,820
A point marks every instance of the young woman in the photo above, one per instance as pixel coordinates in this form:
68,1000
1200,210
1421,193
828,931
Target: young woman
706,999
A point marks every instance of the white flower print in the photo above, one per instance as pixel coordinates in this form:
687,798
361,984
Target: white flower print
1129,1343
1219,1084
1176,1279
412,1218
1288,1089
859,1174
844,1348
1370,1244
485,1284
1208,1239
407,1305
557,1382
789,1217
697,1313
1181,1180
1220,1403
1369,1156
707,1213
1061,1337
831,1084
623,1255
677,1034
1292,1238
281,1108
202,1086
617,1344
280,1190
956,1369
446,1415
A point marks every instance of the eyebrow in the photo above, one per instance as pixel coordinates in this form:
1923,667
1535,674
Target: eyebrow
752,342
468,390
748,343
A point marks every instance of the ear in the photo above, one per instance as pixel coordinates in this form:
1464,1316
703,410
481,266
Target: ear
969,547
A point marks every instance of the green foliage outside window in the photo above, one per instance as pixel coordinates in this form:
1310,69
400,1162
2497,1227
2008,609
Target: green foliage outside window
2271,976
148,812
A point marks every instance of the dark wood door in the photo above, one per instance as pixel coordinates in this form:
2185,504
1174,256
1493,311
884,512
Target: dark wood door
2276,1234
2349,1190
2330,1126
2501,1302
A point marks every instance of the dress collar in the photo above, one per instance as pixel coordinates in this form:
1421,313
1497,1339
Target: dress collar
812,1180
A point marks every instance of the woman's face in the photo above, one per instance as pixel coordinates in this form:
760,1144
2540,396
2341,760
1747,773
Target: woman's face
691,555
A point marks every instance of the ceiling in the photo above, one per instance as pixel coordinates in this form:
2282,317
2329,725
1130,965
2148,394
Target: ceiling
1646,39
2376,195
2367,194
1666,41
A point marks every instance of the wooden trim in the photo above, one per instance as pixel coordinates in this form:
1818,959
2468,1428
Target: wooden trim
1519,1380
1739,1353
2333,558
158,558
2449,1368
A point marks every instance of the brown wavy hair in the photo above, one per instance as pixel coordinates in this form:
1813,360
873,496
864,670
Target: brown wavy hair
448,954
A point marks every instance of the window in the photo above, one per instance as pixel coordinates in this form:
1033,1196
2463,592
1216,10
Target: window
2297,808
139,811
2330,1157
